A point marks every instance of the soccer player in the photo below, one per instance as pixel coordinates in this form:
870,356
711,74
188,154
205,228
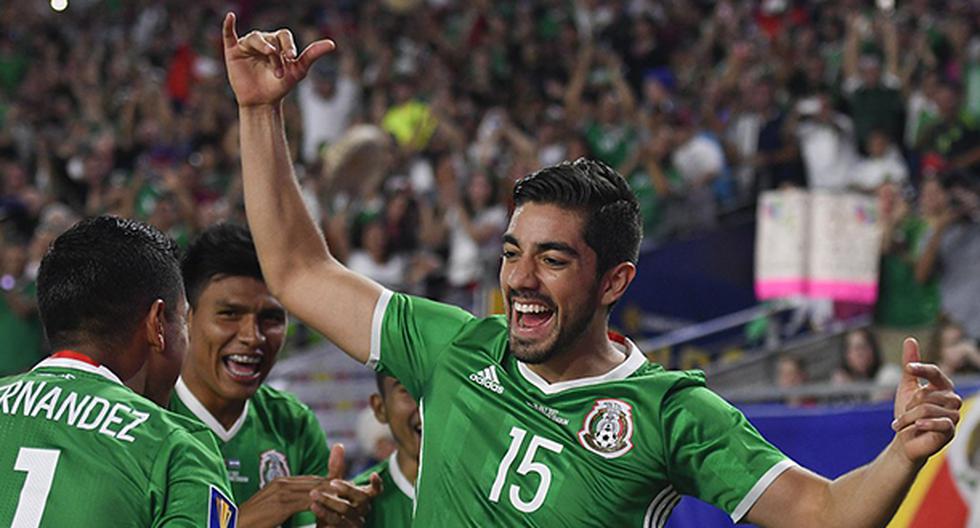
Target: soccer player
272,444
394,406
542,417
79,448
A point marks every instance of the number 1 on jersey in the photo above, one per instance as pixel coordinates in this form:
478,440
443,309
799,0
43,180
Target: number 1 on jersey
39,465
527,465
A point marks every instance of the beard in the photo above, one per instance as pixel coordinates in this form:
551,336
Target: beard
536,353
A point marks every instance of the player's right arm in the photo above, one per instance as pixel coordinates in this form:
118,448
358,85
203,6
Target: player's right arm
296,262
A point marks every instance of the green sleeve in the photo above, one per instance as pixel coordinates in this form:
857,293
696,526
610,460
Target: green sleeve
315,455
189,485
409,334
714,453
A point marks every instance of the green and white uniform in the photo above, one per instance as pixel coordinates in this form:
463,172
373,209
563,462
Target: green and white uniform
79,448
275,436
503,447
393,508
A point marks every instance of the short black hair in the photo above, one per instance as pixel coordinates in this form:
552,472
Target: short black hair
222,249
99,278
613,227
379,378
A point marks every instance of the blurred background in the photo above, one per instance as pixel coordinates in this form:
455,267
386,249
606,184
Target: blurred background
408,139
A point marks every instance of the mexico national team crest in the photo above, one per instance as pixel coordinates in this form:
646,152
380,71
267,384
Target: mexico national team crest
272,465
608,428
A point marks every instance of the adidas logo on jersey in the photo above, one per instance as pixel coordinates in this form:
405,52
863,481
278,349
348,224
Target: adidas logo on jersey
488,378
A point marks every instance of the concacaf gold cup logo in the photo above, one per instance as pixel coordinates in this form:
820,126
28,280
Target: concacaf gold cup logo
608,428
222,512
964,459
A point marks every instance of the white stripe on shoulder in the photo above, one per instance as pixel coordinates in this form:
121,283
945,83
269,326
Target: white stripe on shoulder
759,488
661,497
377,320
667,510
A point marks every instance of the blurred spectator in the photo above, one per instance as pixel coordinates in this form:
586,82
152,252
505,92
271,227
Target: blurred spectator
122,107
952,350
826,141
327,99
873,91
953,251
954,135
20,325
908,303
372,256
882,164
475,222
791,373
861,361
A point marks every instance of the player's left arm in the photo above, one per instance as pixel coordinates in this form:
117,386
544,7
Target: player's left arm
925,420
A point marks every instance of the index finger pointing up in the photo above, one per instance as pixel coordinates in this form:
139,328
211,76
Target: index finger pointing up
228,32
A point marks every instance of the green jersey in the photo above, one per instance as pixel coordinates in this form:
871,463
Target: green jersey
393,508
501,446
79,448
275,436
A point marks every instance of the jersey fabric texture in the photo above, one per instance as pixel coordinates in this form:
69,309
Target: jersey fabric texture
79,448
276,436
393,508
503,447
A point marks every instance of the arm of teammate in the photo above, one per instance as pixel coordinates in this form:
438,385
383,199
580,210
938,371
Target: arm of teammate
189,485
925,420
279,500
295,260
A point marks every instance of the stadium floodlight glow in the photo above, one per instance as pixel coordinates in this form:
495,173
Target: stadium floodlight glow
59,5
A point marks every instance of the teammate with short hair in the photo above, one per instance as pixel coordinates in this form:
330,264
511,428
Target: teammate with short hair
274,448
542,417
394,406
79,448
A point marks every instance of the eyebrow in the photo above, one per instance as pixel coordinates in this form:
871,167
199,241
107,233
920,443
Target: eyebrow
545,246
226,304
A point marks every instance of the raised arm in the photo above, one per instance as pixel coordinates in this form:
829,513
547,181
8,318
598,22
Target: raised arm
925,420
296,262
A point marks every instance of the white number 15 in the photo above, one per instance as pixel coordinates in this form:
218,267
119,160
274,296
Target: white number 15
527,465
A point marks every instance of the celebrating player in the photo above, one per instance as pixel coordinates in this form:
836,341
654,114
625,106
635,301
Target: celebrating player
542,417
273,446
393,405
77,447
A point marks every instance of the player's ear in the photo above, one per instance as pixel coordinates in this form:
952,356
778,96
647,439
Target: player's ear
154,326
616,280
378,406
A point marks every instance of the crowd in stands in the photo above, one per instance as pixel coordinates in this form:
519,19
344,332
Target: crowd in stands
408,138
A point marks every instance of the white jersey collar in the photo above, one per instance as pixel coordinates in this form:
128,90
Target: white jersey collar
202,413
634,360
403,484
75,364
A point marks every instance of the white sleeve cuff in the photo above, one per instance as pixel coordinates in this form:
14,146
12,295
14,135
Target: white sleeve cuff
759,488
377,319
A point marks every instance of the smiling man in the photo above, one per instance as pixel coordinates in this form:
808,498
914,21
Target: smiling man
542,417
395,407
273,446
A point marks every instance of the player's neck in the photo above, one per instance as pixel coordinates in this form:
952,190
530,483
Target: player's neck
225,411
593,354
407,464
100,356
